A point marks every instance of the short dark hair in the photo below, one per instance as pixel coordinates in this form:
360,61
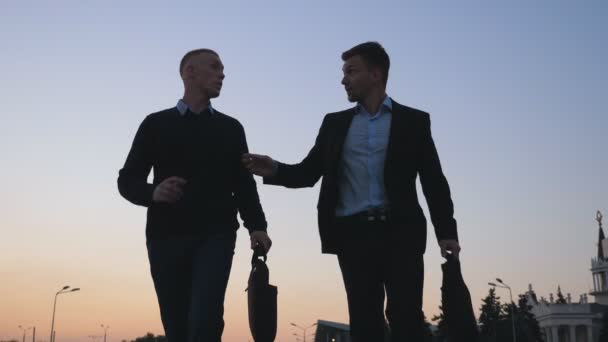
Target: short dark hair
191,54
373,54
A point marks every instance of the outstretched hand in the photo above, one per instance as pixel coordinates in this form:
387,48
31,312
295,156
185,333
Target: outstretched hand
259,164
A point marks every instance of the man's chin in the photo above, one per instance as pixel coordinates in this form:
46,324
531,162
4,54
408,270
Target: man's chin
351,98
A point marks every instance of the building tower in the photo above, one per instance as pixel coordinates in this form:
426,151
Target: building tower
599,267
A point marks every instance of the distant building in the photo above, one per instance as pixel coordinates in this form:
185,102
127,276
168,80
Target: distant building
576,321
332,332
338,332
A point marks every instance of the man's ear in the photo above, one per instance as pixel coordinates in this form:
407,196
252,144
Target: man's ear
376,74
188,70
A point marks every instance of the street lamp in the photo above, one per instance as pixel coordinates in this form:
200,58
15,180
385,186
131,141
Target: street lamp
303,329
105,331
24,331
505,286
65,289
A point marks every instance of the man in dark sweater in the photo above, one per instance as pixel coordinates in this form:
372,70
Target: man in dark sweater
199,185
369,216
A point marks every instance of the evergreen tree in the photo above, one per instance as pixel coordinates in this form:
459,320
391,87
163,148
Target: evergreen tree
428,334
489,316
526,325
441,326
528,329
149,337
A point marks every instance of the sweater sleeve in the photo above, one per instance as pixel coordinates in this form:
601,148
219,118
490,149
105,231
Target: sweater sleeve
133,177
246,193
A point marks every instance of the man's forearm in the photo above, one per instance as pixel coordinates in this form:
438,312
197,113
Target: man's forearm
135,190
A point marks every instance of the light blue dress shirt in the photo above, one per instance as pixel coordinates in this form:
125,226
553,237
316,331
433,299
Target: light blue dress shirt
182,107
361,170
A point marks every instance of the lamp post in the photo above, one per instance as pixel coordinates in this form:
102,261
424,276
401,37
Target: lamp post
303,329
105,331
24,331
65,289
505,286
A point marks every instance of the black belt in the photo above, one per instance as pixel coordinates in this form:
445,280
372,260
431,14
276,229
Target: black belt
368,216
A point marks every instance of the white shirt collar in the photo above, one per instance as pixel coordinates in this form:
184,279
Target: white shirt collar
387,105
182,107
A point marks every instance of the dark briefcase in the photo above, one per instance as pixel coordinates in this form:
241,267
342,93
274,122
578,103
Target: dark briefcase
457,305
262,299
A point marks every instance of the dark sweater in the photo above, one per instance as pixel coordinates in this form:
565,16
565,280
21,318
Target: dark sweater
206,151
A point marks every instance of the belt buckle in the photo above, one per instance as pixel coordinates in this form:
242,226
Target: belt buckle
370,215
373,215
381,214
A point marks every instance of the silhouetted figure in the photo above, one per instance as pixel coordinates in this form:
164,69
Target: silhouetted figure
369,157
199,185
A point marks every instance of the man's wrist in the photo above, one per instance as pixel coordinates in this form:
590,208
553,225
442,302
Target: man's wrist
275,168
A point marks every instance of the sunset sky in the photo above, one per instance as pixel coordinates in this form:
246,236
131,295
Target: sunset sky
517,95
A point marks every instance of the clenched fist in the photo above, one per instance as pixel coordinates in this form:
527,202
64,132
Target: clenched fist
169,190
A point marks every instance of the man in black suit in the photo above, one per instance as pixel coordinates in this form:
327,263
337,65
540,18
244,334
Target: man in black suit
199,185
369,157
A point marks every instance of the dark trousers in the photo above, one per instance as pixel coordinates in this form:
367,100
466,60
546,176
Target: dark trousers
190,277
375,265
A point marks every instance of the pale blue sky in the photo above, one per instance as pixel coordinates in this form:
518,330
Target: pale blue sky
516,92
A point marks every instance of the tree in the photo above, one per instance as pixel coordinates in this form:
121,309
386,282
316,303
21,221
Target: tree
441,326
149,337
560,296
528,329
489,316
428,334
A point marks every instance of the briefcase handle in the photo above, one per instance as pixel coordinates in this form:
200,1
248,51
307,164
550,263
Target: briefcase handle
258,252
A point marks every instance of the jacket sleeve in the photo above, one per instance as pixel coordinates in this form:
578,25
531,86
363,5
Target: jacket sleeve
246,193
308,171
435,186
133,177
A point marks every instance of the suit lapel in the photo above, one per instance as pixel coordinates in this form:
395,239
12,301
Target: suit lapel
342,126
397,123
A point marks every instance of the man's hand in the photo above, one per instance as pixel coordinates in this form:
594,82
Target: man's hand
449,245
260,237
169,190
259,165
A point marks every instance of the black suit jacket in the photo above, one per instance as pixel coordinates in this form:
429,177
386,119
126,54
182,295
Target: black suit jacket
411,152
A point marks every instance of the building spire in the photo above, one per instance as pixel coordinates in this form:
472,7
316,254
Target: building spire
600,249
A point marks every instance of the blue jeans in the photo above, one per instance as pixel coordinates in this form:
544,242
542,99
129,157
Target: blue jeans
190,277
